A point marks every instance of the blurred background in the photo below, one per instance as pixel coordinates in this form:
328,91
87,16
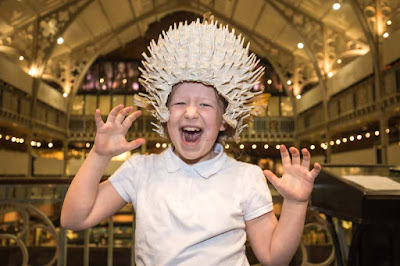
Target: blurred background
332,68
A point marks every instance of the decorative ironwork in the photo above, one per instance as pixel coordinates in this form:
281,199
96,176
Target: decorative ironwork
32,218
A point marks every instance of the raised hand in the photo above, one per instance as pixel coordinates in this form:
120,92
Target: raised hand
297,181
110,137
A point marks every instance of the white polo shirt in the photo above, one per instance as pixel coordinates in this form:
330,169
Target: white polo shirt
192,214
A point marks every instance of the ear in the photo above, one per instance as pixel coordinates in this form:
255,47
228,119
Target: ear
223,125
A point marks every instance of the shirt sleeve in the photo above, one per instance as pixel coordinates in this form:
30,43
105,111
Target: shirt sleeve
125,178
258,199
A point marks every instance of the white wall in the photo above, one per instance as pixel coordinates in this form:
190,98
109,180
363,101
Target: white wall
13,163
52,97
366,156
74,165
48,166
14,75
394,154
317,159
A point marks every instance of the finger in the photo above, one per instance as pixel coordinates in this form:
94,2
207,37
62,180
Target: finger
316,170
122,114
97,119
306,158
285,156
131,118
136,143
272,178
114,112
295,156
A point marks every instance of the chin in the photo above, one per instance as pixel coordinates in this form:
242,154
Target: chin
192,157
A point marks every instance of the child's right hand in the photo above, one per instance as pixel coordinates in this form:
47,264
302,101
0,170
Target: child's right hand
110,137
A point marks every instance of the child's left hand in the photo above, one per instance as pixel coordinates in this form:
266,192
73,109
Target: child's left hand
297,181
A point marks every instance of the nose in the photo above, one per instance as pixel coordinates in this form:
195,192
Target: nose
191,112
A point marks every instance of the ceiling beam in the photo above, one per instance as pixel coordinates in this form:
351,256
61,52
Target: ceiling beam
103,10
258,16
134,15
233,11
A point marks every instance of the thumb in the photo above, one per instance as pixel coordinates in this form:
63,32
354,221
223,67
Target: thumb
136,143
272,178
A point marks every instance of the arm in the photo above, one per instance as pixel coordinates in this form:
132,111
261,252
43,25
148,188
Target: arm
87,203
273,242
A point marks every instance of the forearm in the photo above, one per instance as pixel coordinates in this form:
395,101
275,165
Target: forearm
82,192
288,232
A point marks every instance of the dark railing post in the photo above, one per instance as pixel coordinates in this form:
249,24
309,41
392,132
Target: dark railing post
133,241
86,243
110,241
62,261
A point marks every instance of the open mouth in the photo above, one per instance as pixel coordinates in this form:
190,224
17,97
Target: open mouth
191,134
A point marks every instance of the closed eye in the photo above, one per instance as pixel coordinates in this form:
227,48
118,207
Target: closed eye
205,105
178,103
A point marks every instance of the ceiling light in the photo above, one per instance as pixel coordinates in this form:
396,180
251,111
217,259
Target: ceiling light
164,145
386,34
351,138
339,61
13,139
330,74
33,71
387,131
269,82
60,40
241,146
21,140
266,146
344,140
227,146
298,96
38,144
158,145
331,143
254,146
87,145
359,137
376,133
312,147
101,80
124,81
367,135
336,6
300,45
338,141
388,22
278,147
289,82
65,95
50,145
21,58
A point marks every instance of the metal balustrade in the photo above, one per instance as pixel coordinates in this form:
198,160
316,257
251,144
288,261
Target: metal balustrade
24,195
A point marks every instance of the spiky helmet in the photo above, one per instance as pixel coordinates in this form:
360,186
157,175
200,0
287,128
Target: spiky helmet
202,52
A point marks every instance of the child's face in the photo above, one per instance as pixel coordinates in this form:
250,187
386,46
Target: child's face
195,121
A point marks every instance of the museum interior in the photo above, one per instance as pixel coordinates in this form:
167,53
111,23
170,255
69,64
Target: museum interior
332,68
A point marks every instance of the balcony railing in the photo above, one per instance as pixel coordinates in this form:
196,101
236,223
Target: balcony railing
31,235
83,128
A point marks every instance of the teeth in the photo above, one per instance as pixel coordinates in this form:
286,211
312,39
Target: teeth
191,129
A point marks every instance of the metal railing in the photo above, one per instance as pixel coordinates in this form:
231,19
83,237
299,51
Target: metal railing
25,195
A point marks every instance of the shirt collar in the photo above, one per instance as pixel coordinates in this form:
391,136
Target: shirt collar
204,169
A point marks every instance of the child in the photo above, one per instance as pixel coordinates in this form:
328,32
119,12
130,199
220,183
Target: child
194,205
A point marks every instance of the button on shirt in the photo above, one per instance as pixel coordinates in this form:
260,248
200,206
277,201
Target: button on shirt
192,214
